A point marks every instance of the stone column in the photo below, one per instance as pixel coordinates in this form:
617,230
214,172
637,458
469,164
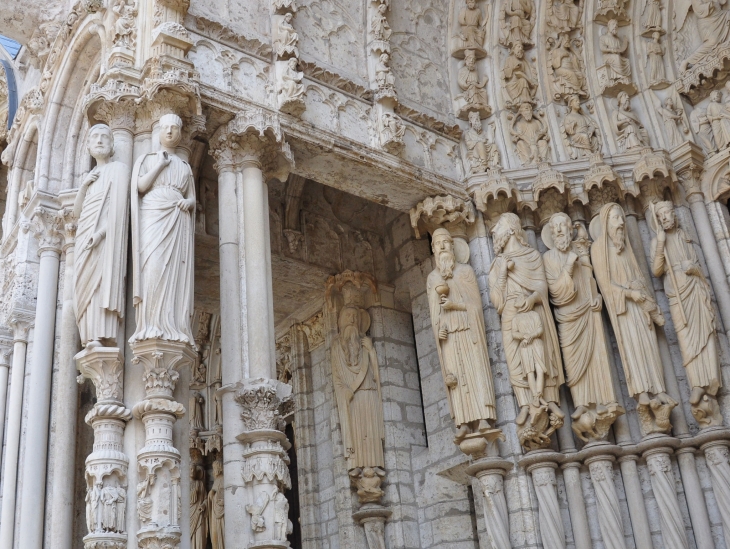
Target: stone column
106,466
552,530
718,462
607,505
33,484
21,322
5,352
159,494
663,486
635,501
490,472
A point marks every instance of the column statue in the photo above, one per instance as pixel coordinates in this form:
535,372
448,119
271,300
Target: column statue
674,258
577,307
101,243
519,290
458,324
216,511
634,312
198,508
163,207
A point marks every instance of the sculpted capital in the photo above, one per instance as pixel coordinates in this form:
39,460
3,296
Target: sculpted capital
47,229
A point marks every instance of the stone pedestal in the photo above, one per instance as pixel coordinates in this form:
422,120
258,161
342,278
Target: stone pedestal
490,473
372,517
265,471
159,497
107,465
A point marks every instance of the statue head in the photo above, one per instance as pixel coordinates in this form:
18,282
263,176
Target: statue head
716,96
669,103
616,227
665,215
382,8
470,59
170,130
471,4
612,27
624,102
518,50
526,111
475,121
288,17
574,103
561,230
565,40
217,468
384,57
442,245
656,36
293,63
507,226
100,141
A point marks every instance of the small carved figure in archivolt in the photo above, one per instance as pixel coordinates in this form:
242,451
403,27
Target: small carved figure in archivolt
672,117
580,131
474,89
458,325
379,24
529,134
652,17
520,83
473,28
564,15
125,27
633,311
703,130
655,62
287,38
718,115
519,290
713,26
630,132
518,19
480,153
383,74
613,48
291,82
673,257
566,68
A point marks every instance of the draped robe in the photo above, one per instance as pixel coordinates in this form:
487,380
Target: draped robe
527,276
198,512
216,514
99,272
163,249
585,354
612,48
464,351
713,25
617,274
697,337
518,76
361,417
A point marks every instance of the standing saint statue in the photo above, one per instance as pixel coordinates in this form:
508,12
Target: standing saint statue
356,377
458,324
198,508
519,290
101,242
674,258
634,312
577,307
216,509
163,209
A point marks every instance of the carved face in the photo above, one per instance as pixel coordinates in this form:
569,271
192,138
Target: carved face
100,141
382,8
474,121
616,227
518,50
574,103
384,58
526,111
470,61
561,231
715,96
169,133
293,63
613,27
656,37
623,101
501,235
471,4
665,215
443,249
669,104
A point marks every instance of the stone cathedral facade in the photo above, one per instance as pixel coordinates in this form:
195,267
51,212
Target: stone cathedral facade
365,274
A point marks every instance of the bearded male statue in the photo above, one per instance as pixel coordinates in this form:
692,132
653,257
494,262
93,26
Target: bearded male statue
356,379
674,258
577,307
519,291
458,324
634,312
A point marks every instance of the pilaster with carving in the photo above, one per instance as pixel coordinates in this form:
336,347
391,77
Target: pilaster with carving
664,487
607,503
551,524
107,465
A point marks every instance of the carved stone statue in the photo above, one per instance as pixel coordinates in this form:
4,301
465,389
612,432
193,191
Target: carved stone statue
655,60
713,25
458,325
291,82
287,38
473,25
473,88
356,378
383,75
580,131
568,77
125,27
198,508
673,257
392,131
653,15
634,312
519,290
563,15
367,481
518,19
703,130
216,510
613,47
577,307
101,242
520,83
163,210
630,132
671,117
196,411
282,525
93,508
480,153
379,24
719,117
530,136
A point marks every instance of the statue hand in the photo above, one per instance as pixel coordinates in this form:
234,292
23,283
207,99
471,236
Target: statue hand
185,204
92,176
527,305
367,343
443,334
163,158
637,296
596,303
510,265
692,270
95,239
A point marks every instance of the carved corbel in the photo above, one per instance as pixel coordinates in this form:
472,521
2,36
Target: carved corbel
449,212
653,173
496,194
689,165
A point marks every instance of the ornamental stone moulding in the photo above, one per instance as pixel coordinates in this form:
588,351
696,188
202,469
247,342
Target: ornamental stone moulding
446,211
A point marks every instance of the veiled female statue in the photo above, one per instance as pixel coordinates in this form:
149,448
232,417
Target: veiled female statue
216,509
198,508
163,207
101,242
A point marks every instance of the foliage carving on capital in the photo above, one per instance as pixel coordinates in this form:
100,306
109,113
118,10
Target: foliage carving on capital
47,227
119,114
264,405
104,367
445,211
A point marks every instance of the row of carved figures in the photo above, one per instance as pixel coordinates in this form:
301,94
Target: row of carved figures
578,278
